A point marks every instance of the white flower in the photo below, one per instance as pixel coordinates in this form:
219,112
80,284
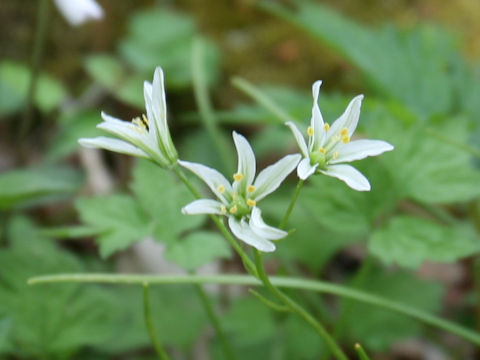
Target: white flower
330,146
147,136
239,200
79,11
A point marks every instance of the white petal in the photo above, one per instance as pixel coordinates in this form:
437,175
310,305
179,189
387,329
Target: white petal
349,118
111,119
243,231
317,119
305,170
147,94
246,161
298,138
203,206
272,176
116,145
79,11
360,149
263,230
351,176
211,177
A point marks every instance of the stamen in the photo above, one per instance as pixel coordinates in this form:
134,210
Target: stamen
326,127
233,209
223,209
237,176
310,131
322,150
251,202
145,120
345,139
335,155
250,188
344,132
221,189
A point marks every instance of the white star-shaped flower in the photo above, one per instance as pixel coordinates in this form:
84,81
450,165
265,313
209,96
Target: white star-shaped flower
330,146
146,136
238,201
79,11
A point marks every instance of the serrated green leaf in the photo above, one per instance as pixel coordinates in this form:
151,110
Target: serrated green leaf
162,197
118,218
409,241
197,249
29,186
378,329
14,83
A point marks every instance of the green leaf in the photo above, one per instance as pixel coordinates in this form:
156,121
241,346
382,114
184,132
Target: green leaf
412,67
161,197
409,241
238,321
118,218
379,329
29,186
109,72
14,83
197,249
301,341
74,126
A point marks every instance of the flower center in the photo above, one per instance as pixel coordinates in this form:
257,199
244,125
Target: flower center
141,122
240,206
328,151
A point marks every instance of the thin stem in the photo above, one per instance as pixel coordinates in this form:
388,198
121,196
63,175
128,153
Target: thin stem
38,47
362,355
227,349
247,262
292,204
261,98
200,88
279,281
149,324
297,309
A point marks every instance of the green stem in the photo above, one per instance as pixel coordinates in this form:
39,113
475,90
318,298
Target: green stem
285,282
261,98
297,309
362,355
148,322
200,88
227,349
292,204
38,47
247,262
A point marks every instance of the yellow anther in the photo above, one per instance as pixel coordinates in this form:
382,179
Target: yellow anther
335,155
310,131
250,188
223,209
322,150
237,176
326,127
233,209
345,139
144,119
251,202
344,132
221,189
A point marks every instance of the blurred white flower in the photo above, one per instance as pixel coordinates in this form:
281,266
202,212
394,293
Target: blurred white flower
330,146
238,201
79,11
146,136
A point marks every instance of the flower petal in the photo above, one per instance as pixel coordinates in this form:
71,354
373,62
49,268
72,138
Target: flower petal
246,162
272,176
360,149
79,11
215,181
317,123
349,119
116,145
203,206
351,176
298,138
305,170
263,230
243,231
